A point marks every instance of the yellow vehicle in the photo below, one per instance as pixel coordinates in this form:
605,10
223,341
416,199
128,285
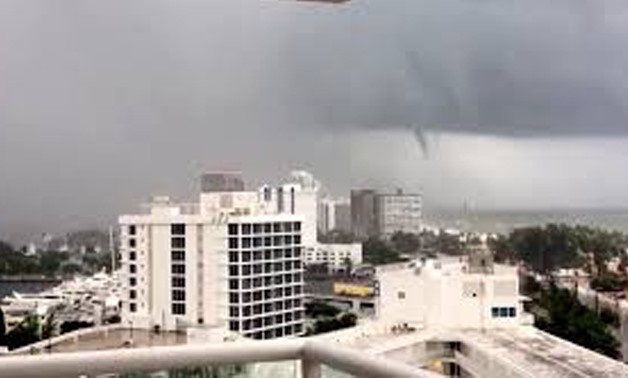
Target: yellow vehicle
353,290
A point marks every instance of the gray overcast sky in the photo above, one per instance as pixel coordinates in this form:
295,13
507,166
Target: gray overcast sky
523,104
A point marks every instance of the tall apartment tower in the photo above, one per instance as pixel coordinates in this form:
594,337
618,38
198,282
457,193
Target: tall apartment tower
298,196
398,211
227,261
363,213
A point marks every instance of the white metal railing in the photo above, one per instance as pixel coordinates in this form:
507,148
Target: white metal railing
312,354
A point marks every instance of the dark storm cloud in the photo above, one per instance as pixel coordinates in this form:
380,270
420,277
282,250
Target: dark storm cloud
105,102
513,68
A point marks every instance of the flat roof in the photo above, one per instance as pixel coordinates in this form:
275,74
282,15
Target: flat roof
543,355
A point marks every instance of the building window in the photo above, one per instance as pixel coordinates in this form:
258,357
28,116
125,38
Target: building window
178,295
246,229
132,230
133,268
132,256
257,228
177,229
233,271
233,284
178,308
268,228
246,311
177,243
132,243
233,257
133,307
401,295
177,255
234,326
233,243
233,229
178,282
503,312
246,297
132,294
132,281
297,226
178,269
246,243
234,312
234,298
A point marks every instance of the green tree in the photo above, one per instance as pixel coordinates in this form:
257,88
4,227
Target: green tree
3,329
378,252
49,327
404,242
569,319
25,333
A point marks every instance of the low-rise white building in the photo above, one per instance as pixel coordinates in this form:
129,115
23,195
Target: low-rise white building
335,255
450,293
228,261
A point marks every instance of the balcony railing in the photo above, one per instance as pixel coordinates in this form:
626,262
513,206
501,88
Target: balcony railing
309,355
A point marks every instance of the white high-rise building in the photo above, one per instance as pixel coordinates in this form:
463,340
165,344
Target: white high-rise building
298,196
228,261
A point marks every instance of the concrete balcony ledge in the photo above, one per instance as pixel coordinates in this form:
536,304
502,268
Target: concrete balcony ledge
311,354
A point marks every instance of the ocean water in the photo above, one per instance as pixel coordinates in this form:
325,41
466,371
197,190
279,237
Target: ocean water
505,221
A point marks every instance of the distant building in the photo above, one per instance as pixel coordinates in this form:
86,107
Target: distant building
363,213
398,212
222,182
227,261
383,214
335,255
334,215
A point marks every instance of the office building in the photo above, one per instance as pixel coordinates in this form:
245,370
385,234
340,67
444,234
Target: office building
222,182
228,261
382,214
398,212
363,213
